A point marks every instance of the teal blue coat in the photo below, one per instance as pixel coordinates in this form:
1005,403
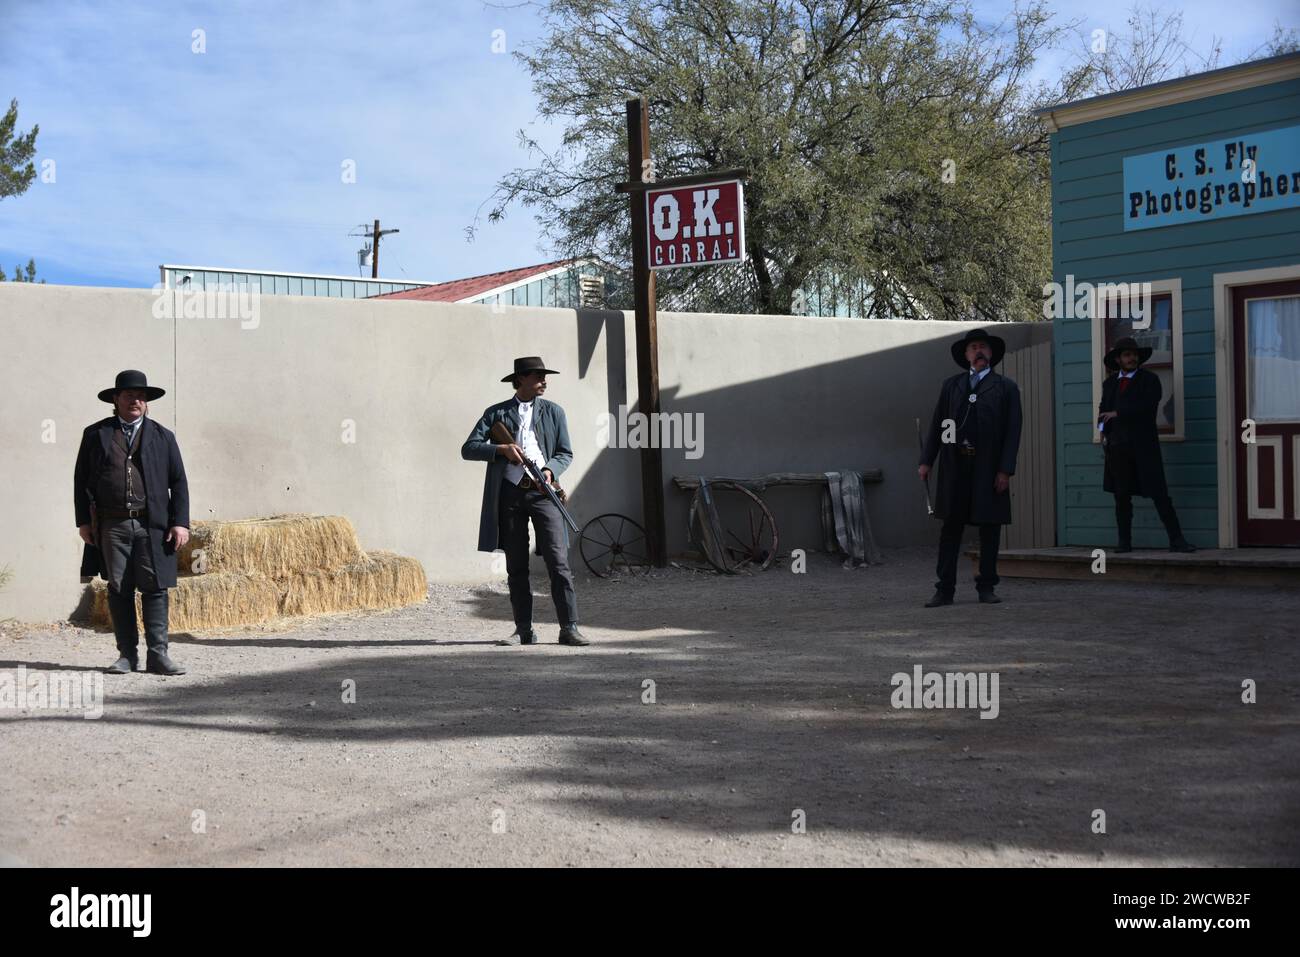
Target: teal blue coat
552,432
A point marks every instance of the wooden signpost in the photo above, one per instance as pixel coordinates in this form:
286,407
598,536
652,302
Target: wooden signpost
700,226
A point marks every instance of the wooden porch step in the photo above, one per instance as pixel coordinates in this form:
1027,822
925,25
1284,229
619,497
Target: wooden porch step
1211,566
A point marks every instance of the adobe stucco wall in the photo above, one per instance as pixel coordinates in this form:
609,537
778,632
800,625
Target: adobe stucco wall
261,413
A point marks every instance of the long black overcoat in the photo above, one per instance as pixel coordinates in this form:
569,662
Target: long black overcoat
997,405
1132,441
167,492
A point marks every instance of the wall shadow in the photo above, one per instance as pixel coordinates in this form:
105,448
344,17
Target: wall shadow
857,413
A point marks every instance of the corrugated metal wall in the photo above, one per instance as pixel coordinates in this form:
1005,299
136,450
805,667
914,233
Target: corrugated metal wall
284,285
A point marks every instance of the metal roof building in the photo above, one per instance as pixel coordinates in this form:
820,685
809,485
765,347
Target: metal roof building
271,282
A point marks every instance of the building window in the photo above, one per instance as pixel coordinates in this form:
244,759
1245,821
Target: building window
1273,359
1117,312
1159,338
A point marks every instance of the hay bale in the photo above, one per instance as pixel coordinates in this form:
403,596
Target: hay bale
222,599
276,547
380,580
216,600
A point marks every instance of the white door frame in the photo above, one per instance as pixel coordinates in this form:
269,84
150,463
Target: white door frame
1228,430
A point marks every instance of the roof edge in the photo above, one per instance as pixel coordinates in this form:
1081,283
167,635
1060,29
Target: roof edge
1183,89
295,275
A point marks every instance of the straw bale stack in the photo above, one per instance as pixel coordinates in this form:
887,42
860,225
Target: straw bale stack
255,571
218,600
276,547
380,580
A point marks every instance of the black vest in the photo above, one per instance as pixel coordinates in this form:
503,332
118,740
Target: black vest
120,483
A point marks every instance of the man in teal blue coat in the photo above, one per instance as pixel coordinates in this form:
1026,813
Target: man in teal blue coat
510,499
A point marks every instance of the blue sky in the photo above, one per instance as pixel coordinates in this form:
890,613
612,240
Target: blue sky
233,157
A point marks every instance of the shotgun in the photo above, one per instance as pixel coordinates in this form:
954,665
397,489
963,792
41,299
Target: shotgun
929,509
500,434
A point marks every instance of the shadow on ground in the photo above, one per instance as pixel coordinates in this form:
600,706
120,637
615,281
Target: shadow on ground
784,704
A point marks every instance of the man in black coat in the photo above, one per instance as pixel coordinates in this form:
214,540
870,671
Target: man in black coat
975,435
1127,419
133,512
511,500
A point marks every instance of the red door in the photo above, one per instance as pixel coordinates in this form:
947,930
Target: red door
1266,373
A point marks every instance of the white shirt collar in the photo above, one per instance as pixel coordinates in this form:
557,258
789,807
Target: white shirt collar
121,421
1127,375
979,376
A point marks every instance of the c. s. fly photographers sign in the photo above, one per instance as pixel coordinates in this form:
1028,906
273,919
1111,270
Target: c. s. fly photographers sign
1251,173
697,225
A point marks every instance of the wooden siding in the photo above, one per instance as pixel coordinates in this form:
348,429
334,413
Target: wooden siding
1089,242
1033,491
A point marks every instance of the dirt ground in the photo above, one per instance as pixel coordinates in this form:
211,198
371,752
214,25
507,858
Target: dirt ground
772,696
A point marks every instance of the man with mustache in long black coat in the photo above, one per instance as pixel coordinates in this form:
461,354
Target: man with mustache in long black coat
975,435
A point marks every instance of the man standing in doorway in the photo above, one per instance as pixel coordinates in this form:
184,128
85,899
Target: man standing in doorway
510,498
1131,440
975,435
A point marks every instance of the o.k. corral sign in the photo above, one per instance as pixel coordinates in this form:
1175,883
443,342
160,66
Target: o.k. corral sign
696,225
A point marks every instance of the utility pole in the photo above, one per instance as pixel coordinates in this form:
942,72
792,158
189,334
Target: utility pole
374,258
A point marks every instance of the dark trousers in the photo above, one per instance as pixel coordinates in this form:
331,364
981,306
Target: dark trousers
128,565
1164,508
516,507
954,527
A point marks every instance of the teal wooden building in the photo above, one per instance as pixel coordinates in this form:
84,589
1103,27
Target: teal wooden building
1176,219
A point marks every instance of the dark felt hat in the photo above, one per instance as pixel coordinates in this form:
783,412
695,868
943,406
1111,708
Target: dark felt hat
529,364
132,379
1123,345
996,344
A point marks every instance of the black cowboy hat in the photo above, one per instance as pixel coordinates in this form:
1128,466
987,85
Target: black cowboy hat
529,364
132,379
997,344
1124,345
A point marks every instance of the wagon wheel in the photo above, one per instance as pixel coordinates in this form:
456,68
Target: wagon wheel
611,544
749,536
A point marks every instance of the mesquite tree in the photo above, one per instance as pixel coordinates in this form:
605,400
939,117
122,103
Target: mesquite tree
890,145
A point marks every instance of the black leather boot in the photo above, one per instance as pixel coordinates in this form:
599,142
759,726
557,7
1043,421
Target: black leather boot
1124,523
569,635
1165,507
522,636
153,605
121,609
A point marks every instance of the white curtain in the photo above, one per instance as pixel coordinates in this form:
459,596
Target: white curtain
1273,352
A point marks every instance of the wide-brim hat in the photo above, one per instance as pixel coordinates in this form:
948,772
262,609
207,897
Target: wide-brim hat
996,343
1128,343
528,364
132,379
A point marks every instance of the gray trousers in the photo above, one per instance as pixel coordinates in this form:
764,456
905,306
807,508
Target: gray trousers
128,560
128,565
516,507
